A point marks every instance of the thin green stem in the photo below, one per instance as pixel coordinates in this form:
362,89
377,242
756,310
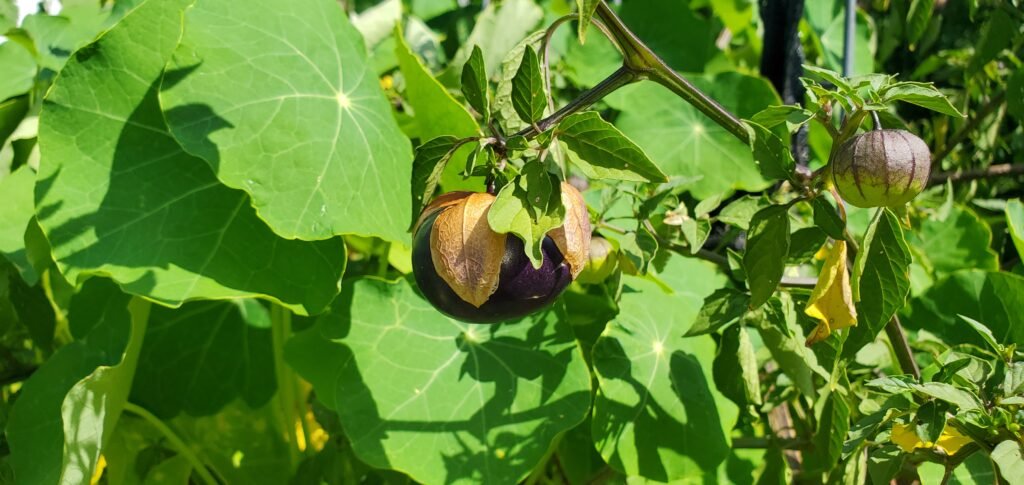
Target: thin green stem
285,386
176,442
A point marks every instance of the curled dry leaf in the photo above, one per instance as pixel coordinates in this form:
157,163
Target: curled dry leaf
573,236
466,253
831,302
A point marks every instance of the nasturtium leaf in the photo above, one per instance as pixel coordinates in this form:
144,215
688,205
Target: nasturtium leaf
18,209
474,84
881,279
767,250
443,401
684,142
721,308
12,112
1010,459
92,407
36,430
200,357
529,207
831,301
1015,223
828,30
771,154
431,159
604,151
922,94
657,398
585,9
130,204
19,70
528,98
313,143
667,25
439,114
958,239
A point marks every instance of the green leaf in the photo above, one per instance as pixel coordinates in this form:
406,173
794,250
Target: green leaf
918,17
12,112
740,211
506,114
996,298
828,76
686,143
735,367
390,365
36,431
985,333
586,9
376,23
964,400
767,250
930,420
666,25
431,159
1010,460
529,207
884,463
828,439
738,15
131,186
805,243
656,395
921,94
881,279
826,218
19,70
528,97
828,33
792,115
1015,95
474,84
1013,382
497,31
1015,223
721,308
19,208
202,356
771,154
958,239
313,143
93,406
604,152
784,338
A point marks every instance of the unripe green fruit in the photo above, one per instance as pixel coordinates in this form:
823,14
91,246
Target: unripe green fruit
601,264
882,168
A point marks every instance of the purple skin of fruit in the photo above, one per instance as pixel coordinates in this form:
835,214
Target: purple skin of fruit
522,289
881,168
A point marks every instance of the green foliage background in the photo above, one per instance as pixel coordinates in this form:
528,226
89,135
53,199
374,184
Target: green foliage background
205,262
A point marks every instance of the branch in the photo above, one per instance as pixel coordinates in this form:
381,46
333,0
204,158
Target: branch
991,172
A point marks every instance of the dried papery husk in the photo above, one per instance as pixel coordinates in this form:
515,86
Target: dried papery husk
438,204
573,236
466,252
882,168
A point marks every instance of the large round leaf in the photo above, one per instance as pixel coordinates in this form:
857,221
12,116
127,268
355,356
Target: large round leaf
116,195
684,142
443,401
277,96
657,413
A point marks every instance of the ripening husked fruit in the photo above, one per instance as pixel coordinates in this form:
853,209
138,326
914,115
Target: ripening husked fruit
473,274
602,262
882,168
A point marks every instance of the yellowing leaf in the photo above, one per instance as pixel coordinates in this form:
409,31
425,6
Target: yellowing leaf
950,441
831,301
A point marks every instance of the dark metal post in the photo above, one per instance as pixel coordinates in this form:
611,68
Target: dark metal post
782,59
851,29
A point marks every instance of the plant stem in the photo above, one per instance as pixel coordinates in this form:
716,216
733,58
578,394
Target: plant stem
175,440
972,124
994,171
904,355
285,387
619,78
641,60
